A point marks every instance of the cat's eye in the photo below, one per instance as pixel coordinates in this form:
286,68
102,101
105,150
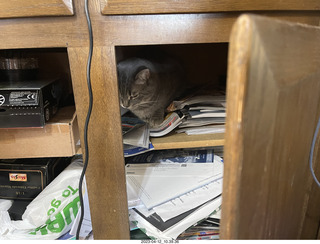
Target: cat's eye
134,96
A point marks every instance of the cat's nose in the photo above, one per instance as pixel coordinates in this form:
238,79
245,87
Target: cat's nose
124,104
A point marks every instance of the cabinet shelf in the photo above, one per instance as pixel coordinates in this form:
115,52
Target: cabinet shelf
58,138
182,140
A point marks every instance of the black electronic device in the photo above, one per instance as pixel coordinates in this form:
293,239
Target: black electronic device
28,103
24,179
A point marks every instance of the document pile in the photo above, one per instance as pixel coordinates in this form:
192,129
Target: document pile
136,135
195,114
208,229
167,195
204,114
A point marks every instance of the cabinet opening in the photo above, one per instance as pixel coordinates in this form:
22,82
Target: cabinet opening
180,156
38,104
204,73
203,63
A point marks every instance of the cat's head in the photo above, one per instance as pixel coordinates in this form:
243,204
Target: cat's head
136,83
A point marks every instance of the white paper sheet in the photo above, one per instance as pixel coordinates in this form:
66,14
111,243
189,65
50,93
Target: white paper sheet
133,198
189,201
176,230
207,129
158,183
184,203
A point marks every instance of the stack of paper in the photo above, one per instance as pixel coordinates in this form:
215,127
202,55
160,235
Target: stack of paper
136,135
167,198
208,229
203,114
193,115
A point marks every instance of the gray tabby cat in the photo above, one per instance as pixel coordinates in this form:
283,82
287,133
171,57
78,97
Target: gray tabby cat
147,87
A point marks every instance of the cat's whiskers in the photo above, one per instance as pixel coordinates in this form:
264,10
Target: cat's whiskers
143,104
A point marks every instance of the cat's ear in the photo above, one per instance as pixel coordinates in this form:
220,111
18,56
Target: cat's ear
142,77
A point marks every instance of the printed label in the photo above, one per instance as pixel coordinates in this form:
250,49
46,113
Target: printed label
23,98
17,177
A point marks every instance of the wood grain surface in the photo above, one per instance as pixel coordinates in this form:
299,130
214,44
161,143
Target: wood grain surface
105,176
204,6
31,8
273,107
105,173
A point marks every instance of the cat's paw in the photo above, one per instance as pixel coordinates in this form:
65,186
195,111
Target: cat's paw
155,122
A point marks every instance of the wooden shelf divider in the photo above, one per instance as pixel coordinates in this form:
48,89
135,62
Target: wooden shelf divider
182,140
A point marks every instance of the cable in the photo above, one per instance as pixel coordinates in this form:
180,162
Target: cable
87,118
311,153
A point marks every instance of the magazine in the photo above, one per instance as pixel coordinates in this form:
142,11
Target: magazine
175,156
138,136
171,121
207,129
191,122
207,114
133,150
129,122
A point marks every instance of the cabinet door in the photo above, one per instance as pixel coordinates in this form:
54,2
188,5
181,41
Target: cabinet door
203,6
23,8
273,105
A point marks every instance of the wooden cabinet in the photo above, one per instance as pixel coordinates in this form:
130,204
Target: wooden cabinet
266,182
21,8
202,6
273,109
60,135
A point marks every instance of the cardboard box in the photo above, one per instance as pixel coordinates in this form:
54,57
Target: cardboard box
58,138
25,178
28,103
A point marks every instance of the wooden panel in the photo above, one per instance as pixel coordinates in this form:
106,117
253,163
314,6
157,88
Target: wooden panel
127,30
273,105
105,174
108,203
23,8
184,141
204,6
310,228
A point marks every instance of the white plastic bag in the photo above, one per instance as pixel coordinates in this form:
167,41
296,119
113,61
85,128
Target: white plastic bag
51,213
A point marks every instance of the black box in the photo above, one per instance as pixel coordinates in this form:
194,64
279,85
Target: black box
28,103
18,208
24,179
